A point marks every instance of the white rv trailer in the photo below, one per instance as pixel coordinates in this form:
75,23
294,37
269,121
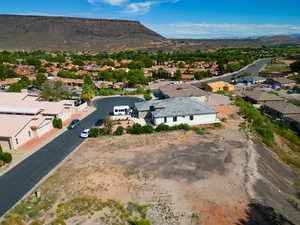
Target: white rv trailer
121,110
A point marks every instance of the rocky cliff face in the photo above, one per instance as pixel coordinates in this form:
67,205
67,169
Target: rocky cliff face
41,32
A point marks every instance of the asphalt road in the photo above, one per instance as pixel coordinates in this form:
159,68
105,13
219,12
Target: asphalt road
18,181
253,69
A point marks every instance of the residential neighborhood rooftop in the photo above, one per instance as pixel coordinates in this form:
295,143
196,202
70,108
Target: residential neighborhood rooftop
26,103
182,90
12,124
296,118
262,96
251,79
175,107
283,80
283,107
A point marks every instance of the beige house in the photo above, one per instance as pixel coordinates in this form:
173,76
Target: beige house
24,116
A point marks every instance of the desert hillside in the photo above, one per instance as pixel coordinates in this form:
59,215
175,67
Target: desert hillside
41,32
81,34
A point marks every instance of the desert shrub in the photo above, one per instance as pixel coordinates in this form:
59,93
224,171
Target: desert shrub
295,202
5,157
108,124
36,223
162,127
140,221
266,133
148,129
57,123
135,129
199,130
58,222
184,127
147,96
261,124
217,125
119,131
94,132
139,129
13,219
224,119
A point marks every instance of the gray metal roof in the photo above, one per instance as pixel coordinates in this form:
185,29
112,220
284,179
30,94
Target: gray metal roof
252,79
182,106
284,107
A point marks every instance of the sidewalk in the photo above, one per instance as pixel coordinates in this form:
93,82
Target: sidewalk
35,144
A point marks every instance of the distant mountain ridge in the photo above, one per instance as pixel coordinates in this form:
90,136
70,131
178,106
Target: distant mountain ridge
20,32
68,33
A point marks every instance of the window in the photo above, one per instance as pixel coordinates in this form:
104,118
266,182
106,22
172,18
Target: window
29,133
191,117
17,141
165,119
175,119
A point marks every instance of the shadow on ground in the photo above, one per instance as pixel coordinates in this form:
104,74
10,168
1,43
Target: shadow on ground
259,214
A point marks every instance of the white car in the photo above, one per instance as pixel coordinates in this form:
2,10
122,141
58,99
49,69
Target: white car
85,133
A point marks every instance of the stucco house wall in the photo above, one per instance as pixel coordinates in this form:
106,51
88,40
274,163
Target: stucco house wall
198,120
24,135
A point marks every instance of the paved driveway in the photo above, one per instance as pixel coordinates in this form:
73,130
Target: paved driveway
21,179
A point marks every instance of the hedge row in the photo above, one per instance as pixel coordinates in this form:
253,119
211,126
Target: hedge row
146,129
96,132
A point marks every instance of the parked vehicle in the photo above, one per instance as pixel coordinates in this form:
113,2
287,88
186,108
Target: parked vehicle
99,123
73,124
293,91
121,110
85,133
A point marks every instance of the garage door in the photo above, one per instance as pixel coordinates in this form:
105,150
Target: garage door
47,126
4,142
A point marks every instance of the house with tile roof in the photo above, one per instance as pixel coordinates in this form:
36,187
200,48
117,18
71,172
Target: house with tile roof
280,109
260,97
24,116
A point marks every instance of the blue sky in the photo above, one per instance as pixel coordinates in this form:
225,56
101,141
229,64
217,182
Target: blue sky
178,18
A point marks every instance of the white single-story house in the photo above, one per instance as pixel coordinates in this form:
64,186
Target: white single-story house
176,111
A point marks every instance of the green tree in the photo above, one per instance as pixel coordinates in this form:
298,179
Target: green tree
57,123
147,96
78,62
178,75
33,61
54,91
88,80
295,67
88,93
22,84
108,124
6,157
119,131
199,75
40,79
6,72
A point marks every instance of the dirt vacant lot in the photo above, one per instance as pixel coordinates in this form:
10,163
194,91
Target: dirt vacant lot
173,178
